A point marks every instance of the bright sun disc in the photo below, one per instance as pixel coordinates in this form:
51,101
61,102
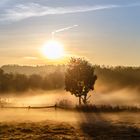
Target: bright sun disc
53,50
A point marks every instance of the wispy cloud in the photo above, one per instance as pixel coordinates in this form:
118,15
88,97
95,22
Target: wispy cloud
23,11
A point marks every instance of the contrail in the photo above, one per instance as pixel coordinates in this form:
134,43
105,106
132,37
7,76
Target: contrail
62,29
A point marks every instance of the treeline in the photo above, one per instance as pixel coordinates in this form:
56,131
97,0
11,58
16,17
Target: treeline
119,77
13,78
21,82
29,70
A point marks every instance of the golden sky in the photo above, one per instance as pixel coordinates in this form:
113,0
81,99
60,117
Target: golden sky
106,32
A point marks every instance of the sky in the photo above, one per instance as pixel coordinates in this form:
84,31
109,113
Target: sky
105,32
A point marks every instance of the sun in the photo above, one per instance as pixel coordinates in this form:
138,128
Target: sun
53,50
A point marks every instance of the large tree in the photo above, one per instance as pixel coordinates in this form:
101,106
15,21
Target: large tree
80,78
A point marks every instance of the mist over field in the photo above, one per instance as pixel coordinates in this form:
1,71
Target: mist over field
69,69
44,85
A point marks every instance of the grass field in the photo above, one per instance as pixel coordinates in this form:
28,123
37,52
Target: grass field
50,124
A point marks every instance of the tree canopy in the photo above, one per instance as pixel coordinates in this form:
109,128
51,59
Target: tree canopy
80,78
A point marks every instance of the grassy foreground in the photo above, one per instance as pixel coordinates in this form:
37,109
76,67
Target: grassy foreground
38,131
64,131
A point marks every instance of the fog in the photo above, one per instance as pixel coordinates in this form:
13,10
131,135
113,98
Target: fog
52,115
64,116
47,98
36,115
125,96
39,98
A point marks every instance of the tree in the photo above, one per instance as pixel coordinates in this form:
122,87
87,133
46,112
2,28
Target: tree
80,78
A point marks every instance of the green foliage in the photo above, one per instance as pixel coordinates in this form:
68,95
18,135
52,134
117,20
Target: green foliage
80,78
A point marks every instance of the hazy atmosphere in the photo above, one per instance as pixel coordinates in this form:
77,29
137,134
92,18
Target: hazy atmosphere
69,70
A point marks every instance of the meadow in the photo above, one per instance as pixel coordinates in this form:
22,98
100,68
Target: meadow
68,124
112,114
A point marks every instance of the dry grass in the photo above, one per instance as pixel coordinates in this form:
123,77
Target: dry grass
87,126
38,131
65,131
107,108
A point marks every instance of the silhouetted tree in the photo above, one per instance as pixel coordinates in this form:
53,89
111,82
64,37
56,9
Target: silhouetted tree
80,78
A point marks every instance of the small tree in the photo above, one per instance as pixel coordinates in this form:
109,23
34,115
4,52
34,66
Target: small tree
80,78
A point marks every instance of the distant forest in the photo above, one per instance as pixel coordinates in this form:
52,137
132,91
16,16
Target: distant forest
14,78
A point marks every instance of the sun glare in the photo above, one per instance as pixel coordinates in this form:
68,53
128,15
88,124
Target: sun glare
53,50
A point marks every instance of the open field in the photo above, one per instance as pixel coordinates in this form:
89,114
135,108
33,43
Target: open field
117,119
63,124
69,69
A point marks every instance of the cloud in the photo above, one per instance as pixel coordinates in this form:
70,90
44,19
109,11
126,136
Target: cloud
24,11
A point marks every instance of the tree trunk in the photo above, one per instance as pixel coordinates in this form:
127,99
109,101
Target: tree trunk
79,100
85,99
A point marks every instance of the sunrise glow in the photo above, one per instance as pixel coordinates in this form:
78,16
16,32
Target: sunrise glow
53,50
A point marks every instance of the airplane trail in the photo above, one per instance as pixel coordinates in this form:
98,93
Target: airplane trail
63,29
